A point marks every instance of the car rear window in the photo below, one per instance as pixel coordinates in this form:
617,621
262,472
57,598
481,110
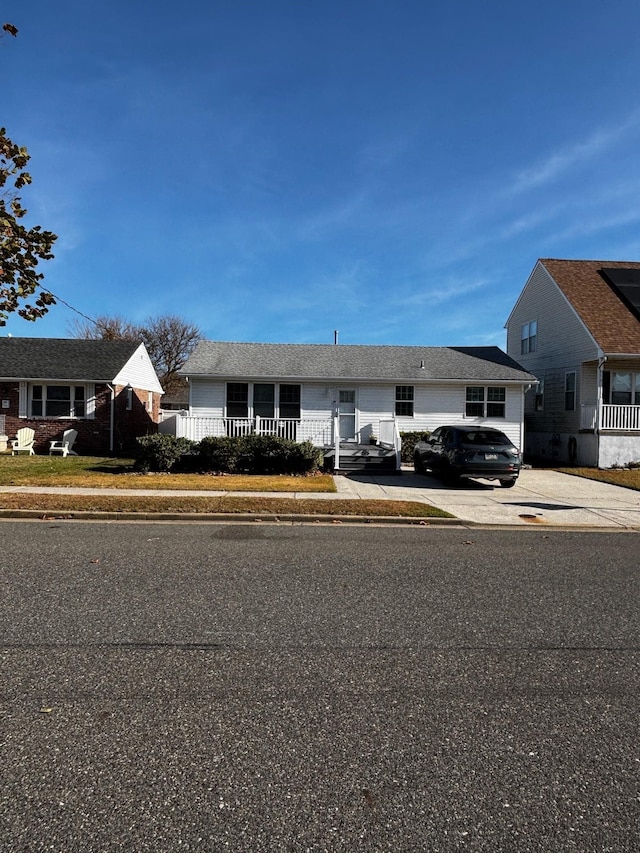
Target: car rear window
485,437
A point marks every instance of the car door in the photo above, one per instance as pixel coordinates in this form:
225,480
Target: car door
434,454
438,449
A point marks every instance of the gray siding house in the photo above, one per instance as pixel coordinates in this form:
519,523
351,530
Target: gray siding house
337,396
576,327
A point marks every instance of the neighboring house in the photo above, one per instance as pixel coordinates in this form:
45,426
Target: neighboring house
576,326
107,390
176,398
338,395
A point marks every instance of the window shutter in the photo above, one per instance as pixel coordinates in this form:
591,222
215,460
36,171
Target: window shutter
23,399
91,401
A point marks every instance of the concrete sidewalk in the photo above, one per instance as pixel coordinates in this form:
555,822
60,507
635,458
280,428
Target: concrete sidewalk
540,497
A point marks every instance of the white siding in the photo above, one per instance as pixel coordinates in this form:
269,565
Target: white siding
317,400
207,398
139,372
563,345
434,405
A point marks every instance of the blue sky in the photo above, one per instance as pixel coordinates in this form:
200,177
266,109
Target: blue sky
273,170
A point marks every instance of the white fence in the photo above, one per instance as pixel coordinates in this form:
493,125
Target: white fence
318,431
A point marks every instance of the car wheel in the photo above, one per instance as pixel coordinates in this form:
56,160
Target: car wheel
507,484
418,464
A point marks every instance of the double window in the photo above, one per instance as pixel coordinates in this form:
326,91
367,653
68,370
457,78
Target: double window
529,337
485,402
263,399
404,401
58,401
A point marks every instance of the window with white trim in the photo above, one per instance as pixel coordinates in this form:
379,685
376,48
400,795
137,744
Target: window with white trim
529,337
404,401
570,391
290,402
485,401
623,388
58,401
237,399
251,399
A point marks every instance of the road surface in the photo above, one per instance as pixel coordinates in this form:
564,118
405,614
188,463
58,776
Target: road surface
259,688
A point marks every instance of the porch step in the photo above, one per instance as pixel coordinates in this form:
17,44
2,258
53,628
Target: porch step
373,465
363,457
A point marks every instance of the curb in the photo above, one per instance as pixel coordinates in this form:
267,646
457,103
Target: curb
217,518
292,518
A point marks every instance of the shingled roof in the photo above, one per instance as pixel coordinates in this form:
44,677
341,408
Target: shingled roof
63,359
348,362
613,326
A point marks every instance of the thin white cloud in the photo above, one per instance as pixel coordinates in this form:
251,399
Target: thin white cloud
320,223
562,161
444,291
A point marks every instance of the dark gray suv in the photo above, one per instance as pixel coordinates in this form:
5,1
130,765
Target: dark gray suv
453,452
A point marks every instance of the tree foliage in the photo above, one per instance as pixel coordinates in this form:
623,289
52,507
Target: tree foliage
21,248
169,340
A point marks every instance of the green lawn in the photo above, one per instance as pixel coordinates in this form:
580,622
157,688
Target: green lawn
99,472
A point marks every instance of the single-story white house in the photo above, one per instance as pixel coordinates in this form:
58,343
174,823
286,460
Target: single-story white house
337,396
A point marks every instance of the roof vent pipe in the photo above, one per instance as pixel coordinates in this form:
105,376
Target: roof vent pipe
335,337
422,364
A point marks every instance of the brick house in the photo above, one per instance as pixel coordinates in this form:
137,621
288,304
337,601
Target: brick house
107,390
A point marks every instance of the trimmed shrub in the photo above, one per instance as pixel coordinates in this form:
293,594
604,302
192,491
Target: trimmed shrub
219,454
258,454
409,440
270,454
160,453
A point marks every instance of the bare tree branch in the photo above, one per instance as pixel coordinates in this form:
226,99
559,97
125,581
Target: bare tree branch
169,340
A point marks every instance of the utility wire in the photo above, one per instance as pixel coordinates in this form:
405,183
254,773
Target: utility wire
79,313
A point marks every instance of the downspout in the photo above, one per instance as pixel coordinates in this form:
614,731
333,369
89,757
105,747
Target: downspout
525,391
112,414
596,427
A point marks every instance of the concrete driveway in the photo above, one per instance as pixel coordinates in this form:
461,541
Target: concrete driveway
540,497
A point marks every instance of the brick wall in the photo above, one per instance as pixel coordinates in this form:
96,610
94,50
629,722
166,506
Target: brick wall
93,435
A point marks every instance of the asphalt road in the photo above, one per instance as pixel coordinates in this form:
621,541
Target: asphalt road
173,687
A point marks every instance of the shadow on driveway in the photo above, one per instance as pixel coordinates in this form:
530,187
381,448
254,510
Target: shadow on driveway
407,479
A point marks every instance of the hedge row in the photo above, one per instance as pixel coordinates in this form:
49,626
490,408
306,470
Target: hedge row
249,454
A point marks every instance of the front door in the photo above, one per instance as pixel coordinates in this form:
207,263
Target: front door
347,414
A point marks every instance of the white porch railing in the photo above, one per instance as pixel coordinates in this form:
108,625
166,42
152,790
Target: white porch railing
390,437
625,418
318,430
622,418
